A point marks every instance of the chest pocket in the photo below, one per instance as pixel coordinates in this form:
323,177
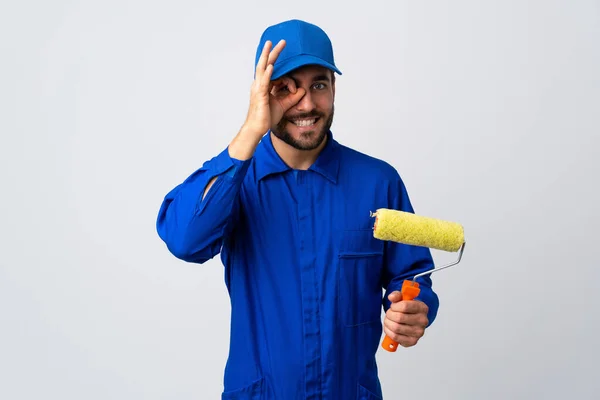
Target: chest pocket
360,262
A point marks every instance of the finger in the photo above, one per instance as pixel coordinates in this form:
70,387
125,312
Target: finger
398,317
266,77
407,319
262,60
276,51
265,83
279,83
291,84
283,86
410,307
291,100
402,340
405,330
395,296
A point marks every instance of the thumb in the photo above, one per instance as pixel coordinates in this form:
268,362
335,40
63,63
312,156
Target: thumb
292,99
395,296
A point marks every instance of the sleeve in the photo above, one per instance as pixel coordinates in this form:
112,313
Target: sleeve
404,261
193,227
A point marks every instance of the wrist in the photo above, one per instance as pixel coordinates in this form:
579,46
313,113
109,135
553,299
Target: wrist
244,144
249,134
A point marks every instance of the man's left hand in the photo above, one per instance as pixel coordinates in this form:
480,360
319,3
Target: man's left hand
405,320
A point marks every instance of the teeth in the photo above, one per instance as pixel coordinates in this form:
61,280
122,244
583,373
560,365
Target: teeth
304,122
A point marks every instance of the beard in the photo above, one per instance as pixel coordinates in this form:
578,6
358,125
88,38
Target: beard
308,140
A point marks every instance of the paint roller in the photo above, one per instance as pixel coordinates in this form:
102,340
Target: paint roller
409,228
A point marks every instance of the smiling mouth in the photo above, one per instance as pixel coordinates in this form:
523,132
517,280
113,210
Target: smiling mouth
303,122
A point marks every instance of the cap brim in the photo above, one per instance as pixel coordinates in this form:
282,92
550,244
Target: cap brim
300,61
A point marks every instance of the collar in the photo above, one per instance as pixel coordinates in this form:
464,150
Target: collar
269,162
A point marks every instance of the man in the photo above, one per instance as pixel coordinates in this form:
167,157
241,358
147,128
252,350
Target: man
288,209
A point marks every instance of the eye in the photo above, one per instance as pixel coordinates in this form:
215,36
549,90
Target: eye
319,86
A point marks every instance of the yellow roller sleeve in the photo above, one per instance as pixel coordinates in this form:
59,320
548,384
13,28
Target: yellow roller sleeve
408,228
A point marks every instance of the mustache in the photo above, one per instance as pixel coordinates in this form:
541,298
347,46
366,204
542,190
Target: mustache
305,115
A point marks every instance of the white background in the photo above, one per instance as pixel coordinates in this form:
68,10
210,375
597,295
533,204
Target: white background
490,110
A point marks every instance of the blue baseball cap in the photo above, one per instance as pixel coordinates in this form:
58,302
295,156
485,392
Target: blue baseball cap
306,44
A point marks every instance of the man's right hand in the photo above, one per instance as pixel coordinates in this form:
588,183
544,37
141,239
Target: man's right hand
269,100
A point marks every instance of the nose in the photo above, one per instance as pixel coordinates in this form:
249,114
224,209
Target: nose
306,103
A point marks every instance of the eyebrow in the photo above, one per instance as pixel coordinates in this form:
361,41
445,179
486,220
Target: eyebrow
321,78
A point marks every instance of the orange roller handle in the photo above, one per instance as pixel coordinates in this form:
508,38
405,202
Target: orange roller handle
410,290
